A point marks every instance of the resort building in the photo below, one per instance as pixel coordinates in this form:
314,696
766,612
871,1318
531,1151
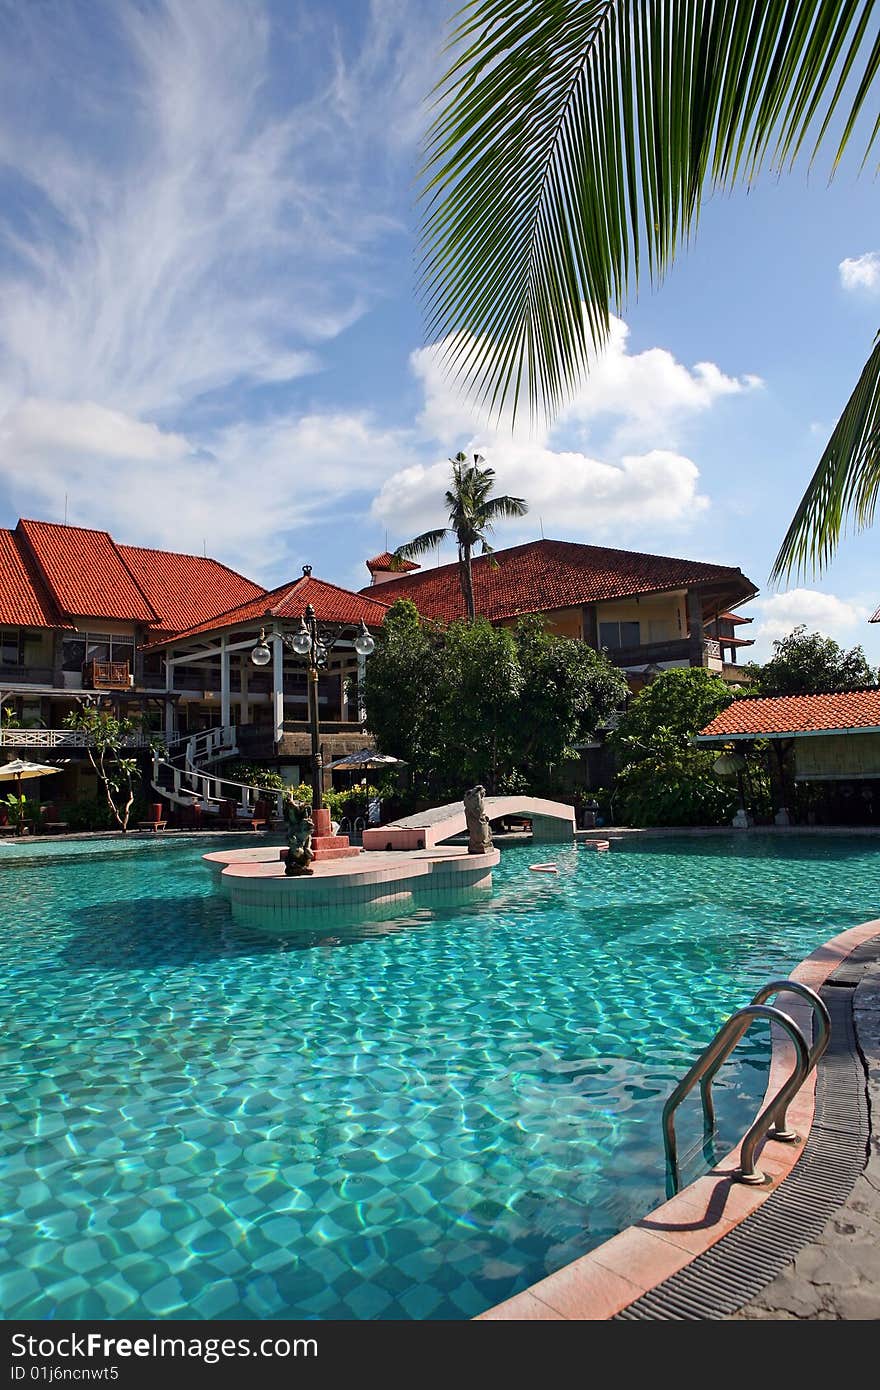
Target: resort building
648,611
831,740
165,637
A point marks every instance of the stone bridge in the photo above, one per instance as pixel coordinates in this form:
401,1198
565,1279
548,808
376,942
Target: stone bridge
552,823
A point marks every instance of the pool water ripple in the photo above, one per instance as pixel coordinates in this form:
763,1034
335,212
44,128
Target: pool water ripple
411,1119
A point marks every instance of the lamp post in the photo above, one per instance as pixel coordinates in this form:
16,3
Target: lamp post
314,642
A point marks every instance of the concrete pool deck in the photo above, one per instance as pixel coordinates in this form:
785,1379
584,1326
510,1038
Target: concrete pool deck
633,1275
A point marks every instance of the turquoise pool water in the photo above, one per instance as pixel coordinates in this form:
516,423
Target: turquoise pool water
375,1123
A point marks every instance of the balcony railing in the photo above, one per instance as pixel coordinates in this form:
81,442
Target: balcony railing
107,675
60,738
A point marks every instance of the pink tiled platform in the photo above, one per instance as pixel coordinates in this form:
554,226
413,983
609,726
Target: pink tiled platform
263,896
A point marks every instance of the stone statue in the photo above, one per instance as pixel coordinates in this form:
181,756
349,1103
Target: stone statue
300,828
479,834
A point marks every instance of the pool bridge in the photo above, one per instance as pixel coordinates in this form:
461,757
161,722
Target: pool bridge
552,823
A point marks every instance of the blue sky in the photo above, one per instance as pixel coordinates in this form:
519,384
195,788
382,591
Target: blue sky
209,336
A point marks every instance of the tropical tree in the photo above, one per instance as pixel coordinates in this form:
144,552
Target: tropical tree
472,513
572,147
806,663
108,749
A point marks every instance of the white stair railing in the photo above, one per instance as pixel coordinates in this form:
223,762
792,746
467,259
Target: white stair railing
190,783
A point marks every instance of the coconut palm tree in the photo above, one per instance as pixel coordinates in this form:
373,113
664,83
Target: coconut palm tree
573,144
471,515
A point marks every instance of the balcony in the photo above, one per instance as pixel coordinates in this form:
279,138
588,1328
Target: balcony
657,653
107,675
26,675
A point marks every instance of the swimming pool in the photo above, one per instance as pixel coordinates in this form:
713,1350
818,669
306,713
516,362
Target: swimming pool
409,1120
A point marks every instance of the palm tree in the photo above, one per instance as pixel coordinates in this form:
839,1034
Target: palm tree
573,145
471,514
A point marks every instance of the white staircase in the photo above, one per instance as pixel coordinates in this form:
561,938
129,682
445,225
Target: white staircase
180,774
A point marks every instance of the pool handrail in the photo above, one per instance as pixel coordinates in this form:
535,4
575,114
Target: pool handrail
721,1046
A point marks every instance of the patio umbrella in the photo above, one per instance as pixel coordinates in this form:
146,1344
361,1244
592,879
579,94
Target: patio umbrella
20,770
366,757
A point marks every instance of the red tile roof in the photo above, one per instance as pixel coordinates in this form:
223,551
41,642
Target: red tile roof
331,605
876,617
86,573
24,598
543,575
797,714
186,589
384,561
733,618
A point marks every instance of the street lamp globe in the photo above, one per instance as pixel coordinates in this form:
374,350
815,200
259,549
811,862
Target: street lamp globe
363,643
301,640
261,655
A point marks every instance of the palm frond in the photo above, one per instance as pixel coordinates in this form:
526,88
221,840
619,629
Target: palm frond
572,145
428,540
505,506
845,485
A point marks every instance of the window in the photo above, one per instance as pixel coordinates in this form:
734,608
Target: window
617,635
95,646
73,653
10,646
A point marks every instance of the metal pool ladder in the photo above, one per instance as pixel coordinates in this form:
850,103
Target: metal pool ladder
720,1048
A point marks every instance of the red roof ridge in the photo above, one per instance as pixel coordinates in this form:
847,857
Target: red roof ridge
189,555
25,522
769,716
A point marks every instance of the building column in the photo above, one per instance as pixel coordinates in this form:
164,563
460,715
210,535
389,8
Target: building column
590,629
362,671
169,704
225,703
695,628
243,664
278,686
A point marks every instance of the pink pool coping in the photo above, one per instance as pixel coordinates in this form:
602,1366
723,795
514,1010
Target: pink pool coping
262,865
598,1285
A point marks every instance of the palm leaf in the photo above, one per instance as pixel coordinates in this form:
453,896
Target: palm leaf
846,483
572,145
428,540
504,506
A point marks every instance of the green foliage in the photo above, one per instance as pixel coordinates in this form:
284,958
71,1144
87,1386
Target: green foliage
806,663
673,784
252,775
117,772
568,689
20,810
400,685
477,703
478,700
10,719
662,779
89,813
679,702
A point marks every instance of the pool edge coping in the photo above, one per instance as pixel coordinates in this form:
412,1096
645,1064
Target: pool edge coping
600,1284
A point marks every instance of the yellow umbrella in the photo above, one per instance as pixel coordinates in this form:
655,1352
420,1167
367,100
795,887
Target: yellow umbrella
19,770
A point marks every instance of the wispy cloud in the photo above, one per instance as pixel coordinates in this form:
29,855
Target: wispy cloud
861,274
202,194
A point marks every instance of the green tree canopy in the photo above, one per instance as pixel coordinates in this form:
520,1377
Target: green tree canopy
400,686
476,703
573,143
806,663
678,703
662,778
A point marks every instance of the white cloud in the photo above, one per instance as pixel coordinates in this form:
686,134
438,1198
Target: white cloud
861,272
610,468
565,491
239,492
778,614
